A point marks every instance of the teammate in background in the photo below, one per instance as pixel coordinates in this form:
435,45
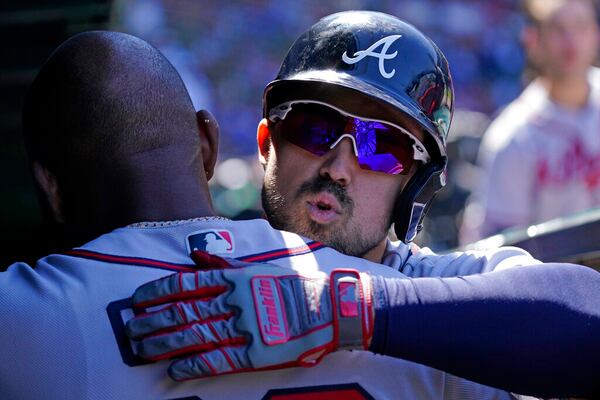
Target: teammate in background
363,103
541,156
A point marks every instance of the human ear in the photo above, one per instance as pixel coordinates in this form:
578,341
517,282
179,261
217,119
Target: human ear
208,130
49,190
530,39
263,139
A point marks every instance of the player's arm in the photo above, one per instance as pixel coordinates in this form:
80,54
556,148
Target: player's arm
426,263
531,330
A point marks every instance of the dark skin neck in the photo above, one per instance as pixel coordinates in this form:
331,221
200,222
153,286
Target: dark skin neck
160,185
164,184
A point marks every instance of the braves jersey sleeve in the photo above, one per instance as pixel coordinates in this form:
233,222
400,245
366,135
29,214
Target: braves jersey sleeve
426,263
33,337
511,329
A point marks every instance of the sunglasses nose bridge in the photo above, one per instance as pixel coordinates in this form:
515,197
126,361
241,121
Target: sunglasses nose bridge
352,139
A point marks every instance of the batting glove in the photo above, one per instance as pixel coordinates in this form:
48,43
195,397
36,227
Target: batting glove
258,317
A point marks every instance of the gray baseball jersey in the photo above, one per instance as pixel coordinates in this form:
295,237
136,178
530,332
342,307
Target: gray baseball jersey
61,323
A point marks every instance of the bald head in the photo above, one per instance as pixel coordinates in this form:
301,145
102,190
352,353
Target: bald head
113,128
105,95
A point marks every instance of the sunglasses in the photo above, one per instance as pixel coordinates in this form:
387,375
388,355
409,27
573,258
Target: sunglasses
379,146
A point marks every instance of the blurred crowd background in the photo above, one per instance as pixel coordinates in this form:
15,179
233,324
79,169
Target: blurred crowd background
227,51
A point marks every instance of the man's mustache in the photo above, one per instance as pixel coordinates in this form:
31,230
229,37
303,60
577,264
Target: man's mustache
322,184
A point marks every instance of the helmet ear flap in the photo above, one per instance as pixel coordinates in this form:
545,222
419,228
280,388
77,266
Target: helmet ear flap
413,202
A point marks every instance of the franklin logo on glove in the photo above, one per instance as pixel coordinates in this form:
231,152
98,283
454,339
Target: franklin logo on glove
270,310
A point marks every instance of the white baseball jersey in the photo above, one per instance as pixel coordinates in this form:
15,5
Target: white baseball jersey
62,322
542,160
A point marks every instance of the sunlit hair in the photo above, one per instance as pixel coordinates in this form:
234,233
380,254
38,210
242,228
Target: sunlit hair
539,11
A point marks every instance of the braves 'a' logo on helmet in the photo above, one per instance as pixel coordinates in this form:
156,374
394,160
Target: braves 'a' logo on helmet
382,56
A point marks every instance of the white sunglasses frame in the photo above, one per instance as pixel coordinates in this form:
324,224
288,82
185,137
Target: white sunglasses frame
280,112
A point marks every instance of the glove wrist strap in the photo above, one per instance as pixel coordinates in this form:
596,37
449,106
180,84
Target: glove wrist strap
352,310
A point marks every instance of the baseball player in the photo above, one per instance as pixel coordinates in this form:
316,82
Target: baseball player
114,139
363,103
109,118
541,156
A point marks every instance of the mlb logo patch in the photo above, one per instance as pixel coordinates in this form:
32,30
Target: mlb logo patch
348,299
213,241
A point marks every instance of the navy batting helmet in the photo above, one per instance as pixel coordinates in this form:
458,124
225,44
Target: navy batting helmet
395,67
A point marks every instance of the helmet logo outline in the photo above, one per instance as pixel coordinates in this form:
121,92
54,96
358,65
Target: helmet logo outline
370,52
